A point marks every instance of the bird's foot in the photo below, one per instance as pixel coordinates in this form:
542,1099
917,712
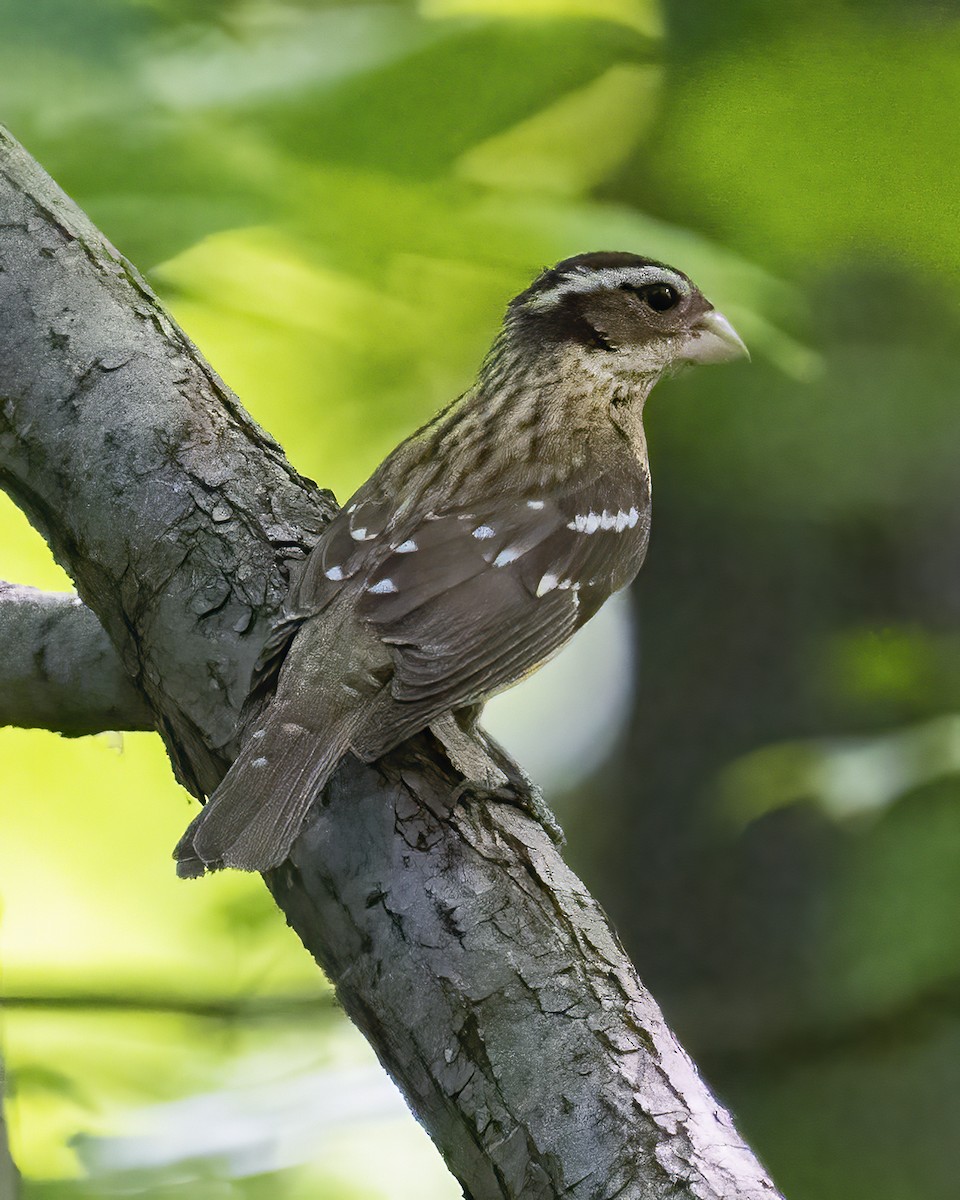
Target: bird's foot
490,772
529,799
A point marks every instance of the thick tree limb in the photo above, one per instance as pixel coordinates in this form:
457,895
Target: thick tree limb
169,507
486,977
59,670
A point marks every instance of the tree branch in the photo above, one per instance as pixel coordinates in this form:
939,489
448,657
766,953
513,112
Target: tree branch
59,670
308,1006
486,977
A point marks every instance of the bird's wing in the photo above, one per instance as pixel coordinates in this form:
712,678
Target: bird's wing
349,548
472,601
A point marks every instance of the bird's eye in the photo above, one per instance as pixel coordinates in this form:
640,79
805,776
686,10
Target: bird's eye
659,296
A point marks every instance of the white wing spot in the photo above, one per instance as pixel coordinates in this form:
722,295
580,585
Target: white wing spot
586,522
259,762
383,588
568,585
615,522
546,584
259,733
535,504
622,520
406,547
360,535
483,531
335,573
506,556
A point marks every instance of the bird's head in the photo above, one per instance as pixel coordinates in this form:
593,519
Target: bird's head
618,315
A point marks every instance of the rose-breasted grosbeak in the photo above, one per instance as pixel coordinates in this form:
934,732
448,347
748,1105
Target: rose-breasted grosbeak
475,550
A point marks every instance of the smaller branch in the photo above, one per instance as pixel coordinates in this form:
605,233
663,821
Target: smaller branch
294,1007
58,668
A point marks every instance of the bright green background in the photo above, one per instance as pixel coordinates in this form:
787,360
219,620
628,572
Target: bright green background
336,201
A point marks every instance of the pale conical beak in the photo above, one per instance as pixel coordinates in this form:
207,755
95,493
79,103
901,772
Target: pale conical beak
713,340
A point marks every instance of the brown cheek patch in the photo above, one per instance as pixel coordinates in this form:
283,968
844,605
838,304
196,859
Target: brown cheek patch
619,318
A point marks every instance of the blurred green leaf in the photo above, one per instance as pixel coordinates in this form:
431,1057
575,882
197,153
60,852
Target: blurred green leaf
892,935
41,1077
640,15
857,1120
557,150
861,105
845,777
415,117
898,672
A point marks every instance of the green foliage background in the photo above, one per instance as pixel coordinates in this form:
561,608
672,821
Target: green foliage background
336,200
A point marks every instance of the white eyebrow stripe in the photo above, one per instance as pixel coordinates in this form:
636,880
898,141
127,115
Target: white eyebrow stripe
383,588
607,279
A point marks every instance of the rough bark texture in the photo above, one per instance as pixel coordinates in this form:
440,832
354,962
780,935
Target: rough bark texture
170,508
59,670
487,979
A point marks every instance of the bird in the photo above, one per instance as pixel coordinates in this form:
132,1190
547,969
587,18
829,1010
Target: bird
476,549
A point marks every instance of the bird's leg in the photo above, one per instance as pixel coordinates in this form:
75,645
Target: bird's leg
487,768
523,792
469,756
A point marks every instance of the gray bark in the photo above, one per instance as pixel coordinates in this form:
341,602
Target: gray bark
59,670
485,976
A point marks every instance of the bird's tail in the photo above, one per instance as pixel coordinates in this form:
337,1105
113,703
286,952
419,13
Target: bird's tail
252,819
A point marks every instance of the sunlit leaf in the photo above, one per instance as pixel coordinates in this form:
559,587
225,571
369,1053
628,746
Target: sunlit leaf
845,777
641,15
861,106
415,117
894,940
558,150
